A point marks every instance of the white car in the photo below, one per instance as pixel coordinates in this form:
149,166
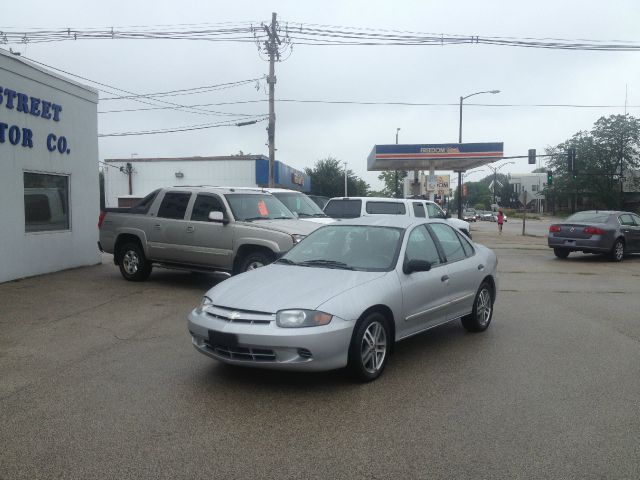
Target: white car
353,207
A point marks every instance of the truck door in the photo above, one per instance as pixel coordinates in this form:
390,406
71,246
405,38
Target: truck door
210,243
168,229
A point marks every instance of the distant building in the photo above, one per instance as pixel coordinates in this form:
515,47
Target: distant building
533,184
128,179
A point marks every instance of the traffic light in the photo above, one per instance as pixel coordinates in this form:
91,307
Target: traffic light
549,178
532,156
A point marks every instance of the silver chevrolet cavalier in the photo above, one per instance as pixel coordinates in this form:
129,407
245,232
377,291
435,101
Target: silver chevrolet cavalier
346,294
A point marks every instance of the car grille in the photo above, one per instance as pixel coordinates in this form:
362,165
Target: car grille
243,353
239,316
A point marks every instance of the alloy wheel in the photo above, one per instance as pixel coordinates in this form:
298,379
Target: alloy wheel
483,307
373,349
131,262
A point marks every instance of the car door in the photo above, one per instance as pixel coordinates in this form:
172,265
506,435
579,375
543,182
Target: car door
464,269
424,294
630,226
166,237
210,243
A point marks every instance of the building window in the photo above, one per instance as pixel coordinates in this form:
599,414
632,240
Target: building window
46,202
534,188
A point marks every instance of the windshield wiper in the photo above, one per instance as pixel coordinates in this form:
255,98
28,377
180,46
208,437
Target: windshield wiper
319,215
286,261
326,263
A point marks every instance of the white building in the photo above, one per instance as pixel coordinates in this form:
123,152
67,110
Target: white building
133,178
49,197
533,184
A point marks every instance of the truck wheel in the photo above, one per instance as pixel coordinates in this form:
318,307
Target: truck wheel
255,260
133,264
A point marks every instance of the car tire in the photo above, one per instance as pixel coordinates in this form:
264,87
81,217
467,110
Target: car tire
255,260
370,347
482,313
617,251
133,265
561,252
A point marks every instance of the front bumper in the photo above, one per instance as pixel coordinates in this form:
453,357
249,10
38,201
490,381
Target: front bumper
269,346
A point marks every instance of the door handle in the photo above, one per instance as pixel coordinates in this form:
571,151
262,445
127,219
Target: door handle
445,278
190,229
480,267
157,227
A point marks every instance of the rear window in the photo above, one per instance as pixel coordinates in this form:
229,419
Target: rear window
343,208
386,208
588,217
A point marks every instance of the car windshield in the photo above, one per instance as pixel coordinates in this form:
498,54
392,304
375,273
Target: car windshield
343,208
349,247
588,217
248,207
299,203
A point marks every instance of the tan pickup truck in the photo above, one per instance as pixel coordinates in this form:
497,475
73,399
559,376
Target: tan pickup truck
199,229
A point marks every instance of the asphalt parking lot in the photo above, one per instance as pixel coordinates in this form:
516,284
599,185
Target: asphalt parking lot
99,380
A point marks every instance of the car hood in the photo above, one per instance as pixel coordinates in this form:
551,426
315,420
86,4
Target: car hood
292,226
277,286
459,224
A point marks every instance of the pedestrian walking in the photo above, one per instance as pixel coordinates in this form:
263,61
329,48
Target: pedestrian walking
500,219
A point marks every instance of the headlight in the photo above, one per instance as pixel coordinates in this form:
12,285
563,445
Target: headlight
297,238
206,301
301,318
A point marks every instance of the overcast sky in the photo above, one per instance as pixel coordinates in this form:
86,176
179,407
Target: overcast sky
308,132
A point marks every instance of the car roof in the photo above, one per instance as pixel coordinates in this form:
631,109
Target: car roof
397,221
384,199
216,189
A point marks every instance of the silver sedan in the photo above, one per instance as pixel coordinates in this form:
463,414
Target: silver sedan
345,294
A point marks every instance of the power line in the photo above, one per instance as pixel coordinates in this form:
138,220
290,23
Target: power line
172,105
186,91
305,34
187,128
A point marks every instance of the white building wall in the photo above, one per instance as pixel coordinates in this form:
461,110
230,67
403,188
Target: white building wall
150,175
24,254
526,181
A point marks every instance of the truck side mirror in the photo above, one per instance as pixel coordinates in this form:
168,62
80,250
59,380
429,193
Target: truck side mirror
216,216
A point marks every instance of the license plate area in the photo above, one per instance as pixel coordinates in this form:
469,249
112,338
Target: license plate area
223,339
570,243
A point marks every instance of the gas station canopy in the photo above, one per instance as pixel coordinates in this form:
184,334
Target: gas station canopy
458,157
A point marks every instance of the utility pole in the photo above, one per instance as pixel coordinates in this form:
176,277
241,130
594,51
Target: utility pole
345,179
271,46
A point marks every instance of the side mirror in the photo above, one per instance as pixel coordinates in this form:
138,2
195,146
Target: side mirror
216,216
448,214
416,266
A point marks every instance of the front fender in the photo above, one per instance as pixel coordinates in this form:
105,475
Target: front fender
384,290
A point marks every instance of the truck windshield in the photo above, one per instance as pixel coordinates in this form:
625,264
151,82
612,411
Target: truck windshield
299,203
249,207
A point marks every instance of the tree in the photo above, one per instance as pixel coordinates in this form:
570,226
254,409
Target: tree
389,179
477,192
603,155
327,179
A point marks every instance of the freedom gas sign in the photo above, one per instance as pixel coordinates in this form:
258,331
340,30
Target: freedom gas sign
441,156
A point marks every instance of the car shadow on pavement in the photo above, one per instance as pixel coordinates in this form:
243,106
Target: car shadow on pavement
423,352
597,258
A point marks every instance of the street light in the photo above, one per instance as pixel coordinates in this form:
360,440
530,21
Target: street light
460,141
395,191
